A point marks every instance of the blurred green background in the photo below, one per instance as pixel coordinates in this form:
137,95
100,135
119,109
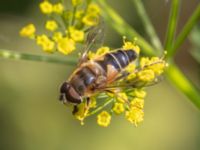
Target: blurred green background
31,116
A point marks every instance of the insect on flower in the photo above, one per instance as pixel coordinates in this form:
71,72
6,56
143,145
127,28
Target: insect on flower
105,73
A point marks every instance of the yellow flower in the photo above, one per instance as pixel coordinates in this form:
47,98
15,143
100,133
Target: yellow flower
58,8
51,25
144,61
118,108
66,45
79,14
146,75
131,76
122,97
28,31
138,93
76,2
158,65
57,36
137,102
103,119
46,43
76,35
100,51
130,68
93,8
93,102
135,115
90,19
81,113
130,45
46,7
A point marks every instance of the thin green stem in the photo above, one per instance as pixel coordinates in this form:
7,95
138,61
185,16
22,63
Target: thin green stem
101,107
185,31
148,25
183,84
7,54
172,24
73,15
123,28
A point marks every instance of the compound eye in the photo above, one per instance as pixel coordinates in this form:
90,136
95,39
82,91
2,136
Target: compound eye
64,87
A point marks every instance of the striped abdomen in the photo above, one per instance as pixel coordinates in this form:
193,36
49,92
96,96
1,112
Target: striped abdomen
114,62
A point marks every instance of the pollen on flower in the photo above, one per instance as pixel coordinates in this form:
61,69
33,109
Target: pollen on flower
57,36
76,35
146,75
137,102
103,119
90,19
58,8
118,108
66,45
130,45
51,25
122,97
134,115
76,2
93,8
100,51
46,7
81,113
46,44
140,93
130,68
28,31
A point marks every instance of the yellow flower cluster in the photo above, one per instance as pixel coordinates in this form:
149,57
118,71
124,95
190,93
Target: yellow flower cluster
64,34
129,94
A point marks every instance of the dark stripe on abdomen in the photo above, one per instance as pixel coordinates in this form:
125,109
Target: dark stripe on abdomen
118,59
83,79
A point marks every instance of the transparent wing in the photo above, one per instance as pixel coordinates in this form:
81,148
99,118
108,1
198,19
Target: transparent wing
93,41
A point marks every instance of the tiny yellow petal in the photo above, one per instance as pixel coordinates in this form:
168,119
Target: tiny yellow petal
76,2
76,35
51,25
28,31
46,7
118,108
58,8
146,75
103,119
66,45
90,19
122,97
135,115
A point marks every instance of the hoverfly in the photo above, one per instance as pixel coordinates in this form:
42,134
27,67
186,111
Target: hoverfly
93,76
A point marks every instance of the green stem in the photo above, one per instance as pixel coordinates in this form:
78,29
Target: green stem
148,25
73,15
7,54
171,29
100,107
183,84
185,31
123,28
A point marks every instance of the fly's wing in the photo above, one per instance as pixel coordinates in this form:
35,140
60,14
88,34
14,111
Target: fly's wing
93,41
123,83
